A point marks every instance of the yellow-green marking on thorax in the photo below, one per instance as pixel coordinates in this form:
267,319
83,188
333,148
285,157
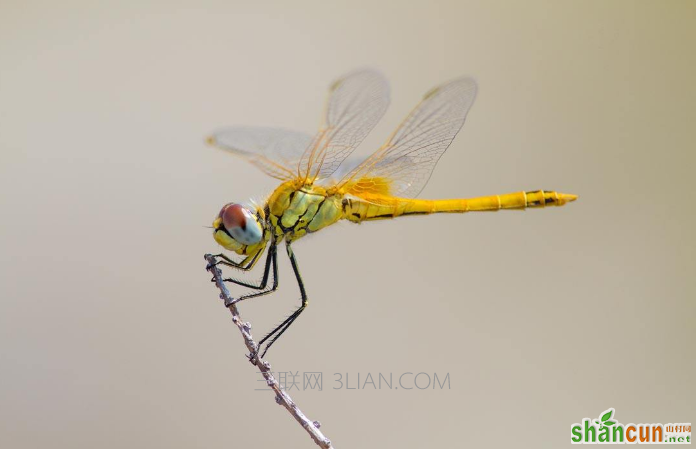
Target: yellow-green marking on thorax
296,209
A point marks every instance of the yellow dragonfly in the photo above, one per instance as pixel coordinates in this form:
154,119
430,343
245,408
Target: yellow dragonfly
318,189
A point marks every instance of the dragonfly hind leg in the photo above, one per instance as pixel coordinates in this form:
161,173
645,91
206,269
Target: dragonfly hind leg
275,334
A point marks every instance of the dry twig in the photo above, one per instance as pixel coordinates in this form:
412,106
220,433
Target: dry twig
282,398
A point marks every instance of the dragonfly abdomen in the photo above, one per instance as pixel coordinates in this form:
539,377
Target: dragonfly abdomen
513,201
386,207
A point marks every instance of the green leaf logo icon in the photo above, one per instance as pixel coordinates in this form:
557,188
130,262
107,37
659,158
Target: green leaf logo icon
605,419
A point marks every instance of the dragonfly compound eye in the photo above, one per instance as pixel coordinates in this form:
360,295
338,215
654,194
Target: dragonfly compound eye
241,224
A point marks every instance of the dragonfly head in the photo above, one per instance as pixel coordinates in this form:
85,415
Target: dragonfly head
236,227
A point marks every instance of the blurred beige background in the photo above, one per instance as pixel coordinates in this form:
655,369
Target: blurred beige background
112,336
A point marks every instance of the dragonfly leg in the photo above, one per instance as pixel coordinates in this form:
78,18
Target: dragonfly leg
245,264
282,327
272,256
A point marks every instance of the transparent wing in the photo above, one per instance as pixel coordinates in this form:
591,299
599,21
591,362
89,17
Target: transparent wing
273,150
403,165
356,103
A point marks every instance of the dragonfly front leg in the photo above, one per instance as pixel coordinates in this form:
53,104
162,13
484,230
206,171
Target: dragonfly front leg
271,260
245,264
275,334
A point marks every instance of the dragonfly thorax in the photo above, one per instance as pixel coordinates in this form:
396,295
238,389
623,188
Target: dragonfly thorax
296,210
237,227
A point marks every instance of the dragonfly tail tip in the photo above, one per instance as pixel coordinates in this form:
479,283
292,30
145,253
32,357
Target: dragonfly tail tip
568,197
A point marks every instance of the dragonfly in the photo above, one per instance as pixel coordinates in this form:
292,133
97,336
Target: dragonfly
319,186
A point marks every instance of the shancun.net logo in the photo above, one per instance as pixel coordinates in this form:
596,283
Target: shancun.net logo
606,429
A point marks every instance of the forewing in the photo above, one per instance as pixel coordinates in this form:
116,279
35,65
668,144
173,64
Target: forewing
273,150
356,103
403,165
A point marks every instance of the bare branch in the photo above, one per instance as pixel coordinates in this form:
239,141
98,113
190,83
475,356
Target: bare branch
282,398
